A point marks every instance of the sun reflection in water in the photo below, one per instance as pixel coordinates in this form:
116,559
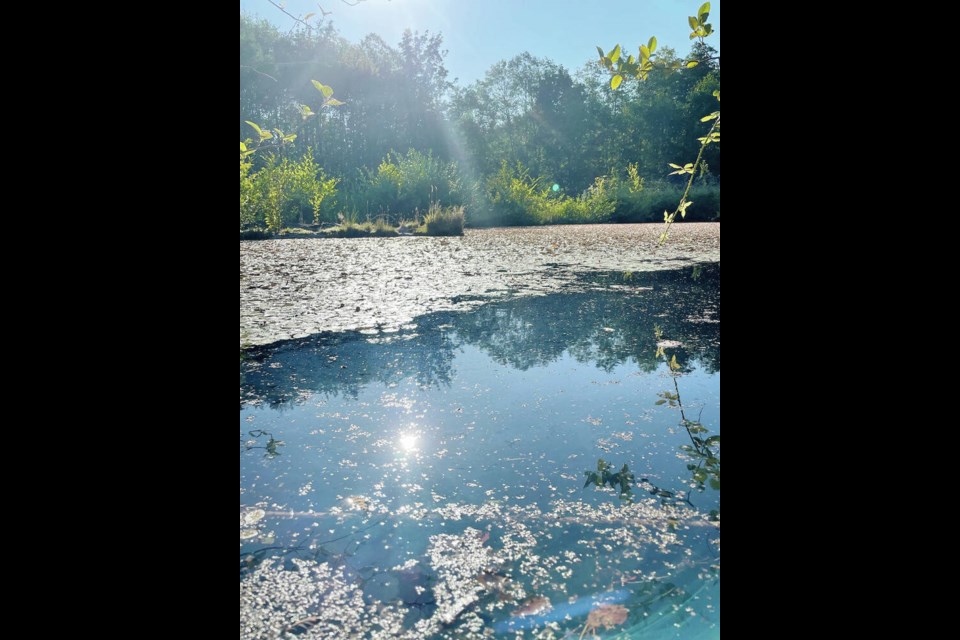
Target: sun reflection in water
409,442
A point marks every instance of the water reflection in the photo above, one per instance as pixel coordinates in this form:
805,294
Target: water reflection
430,482
409,442
608,321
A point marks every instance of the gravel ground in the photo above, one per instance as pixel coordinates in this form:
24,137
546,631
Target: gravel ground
295,288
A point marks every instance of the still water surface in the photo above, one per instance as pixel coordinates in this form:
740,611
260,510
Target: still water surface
430,482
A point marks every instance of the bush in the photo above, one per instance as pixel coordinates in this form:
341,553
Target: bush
592,206
512,196
516,198
649,204
249,200
408,184
282,192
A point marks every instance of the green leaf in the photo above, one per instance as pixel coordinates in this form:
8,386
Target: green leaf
712,116
675,166
712,440
615,81
652,45
707,29
615,54
322,88
255,128
704,11
602,54
243,147
715,484
644,53
693,22
333,102
630,59
659,402
691,64
308,16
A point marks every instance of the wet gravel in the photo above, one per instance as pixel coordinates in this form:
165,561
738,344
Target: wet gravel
295,288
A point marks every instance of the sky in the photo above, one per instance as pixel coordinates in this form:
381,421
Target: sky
479,33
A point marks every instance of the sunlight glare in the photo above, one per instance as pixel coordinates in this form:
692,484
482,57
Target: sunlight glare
409,442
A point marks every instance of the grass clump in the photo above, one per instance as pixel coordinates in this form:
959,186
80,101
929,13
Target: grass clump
441,221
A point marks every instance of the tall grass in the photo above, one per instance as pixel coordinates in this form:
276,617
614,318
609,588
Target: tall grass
448,221
405,185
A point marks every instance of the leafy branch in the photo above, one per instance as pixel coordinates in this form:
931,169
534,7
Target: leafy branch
639,68
250,146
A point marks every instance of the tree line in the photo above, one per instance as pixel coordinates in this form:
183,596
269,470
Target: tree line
529,143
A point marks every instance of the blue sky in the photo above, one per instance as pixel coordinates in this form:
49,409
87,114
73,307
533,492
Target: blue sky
478,33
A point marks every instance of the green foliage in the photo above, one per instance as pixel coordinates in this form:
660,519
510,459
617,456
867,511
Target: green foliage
408,184
649,203
311,190
493,146
249,196
516,198
272,182
282,192
513,196
594,205
619,68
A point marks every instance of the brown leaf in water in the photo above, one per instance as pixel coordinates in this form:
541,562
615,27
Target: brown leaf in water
532,606
607,615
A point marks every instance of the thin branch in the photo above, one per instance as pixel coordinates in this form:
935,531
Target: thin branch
307,25
693,173
245,66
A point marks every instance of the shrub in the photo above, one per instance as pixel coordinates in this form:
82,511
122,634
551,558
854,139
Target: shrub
404,185
512,197
649,204
516,198
282,192
249,201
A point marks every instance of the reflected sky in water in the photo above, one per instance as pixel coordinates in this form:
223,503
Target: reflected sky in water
436,474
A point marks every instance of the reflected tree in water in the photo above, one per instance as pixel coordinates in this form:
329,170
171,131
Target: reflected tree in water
608,320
